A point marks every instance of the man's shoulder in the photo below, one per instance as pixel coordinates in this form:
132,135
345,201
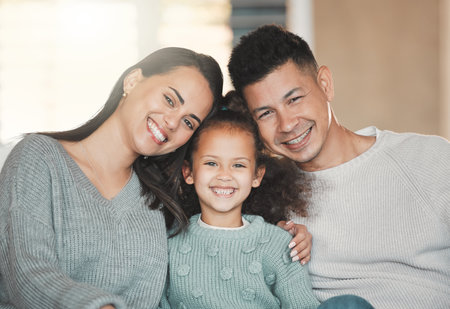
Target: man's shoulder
407,142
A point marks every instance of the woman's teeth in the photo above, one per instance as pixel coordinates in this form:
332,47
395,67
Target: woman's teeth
155,131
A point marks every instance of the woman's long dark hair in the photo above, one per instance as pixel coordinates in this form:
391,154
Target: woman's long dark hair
283,188
160,176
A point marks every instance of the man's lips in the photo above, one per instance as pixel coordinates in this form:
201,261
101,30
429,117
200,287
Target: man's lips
158,134
299,138
298,141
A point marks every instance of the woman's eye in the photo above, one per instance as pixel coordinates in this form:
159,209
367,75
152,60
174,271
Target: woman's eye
169,101
189,123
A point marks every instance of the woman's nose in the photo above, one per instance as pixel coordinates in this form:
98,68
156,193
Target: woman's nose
172,121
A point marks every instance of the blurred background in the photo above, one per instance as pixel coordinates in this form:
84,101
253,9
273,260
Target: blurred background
60,58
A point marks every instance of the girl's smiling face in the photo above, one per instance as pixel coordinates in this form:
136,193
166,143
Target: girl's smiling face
223,172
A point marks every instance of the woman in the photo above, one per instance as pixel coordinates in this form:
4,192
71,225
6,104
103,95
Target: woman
76,232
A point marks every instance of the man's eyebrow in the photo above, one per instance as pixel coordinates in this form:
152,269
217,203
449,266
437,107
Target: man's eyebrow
261,108
180,98
290,92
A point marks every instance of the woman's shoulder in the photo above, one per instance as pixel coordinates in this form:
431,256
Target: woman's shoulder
35,143
31,152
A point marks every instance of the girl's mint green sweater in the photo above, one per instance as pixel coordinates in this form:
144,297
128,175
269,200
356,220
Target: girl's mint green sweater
245,268
62,245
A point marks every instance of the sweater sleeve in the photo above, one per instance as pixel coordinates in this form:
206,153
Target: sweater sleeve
425,164
434,177
29,263
164,303
292,285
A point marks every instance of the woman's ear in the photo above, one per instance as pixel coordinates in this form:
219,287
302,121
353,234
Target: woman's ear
258,176
132,79
187,173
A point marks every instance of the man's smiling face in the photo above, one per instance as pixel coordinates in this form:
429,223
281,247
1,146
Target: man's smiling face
292,110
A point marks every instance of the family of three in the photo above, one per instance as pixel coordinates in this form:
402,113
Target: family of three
85,213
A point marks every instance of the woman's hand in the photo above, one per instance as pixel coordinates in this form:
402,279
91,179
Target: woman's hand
301,243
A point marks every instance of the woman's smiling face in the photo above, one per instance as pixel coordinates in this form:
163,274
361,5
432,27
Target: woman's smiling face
160,113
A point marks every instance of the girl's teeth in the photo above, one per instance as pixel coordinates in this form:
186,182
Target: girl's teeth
156,131
223,191
300,138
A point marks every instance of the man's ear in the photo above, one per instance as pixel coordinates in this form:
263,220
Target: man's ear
258,176
187,173
132,79
325,81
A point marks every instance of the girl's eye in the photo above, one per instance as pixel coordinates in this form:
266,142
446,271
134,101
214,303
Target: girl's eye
169,101
239,165
189,124
210,163
266,113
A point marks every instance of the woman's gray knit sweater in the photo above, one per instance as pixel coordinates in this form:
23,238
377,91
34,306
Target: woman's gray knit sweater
62,245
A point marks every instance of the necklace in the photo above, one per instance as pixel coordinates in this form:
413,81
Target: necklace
86,154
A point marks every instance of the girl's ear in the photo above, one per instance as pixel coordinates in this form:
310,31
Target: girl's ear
258,176
187,173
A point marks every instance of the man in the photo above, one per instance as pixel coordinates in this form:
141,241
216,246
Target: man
380,205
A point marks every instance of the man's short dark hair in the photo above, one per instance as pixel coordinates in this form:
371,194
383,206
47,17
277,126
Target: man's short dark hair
260,52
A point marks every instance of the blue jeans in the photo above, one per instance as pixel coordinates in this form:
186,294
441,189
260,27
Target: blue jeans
346,302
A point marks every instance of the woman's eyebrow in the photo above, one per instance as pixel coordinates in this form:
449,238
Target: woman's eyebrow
180,98
196,118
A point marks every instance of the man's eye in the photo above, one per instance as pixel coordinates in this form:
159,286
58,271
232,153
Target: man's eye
292,100
169,101
264,114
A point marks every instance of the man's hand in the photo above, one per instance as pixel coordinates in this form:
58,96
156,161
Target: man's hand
301,243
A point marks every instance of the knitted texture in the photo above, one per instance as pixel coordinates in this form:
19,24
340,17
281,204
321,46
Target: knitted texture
62,245
245,268
381,222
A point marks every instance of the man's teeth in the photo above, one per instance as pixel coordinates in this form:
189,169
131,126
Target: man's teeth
223,191
159,136
299,139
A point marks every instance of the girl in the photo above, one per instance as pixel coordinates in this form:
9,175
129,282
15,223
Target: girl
229,260
76,230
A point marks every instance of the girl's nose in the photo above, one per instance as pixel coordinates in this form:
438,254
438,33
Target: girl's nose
224,174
